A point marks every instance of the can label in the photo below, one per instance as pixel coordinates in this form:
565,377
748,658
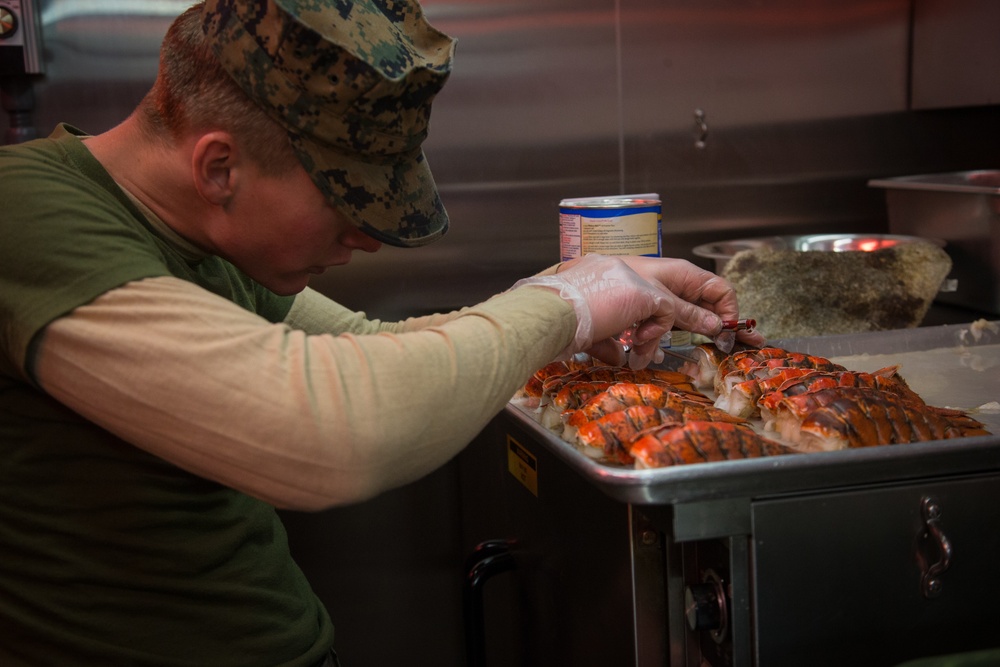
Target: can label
625,225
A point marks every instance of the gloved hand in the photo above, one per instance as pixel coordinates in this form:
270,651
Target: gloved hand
608,298
693,285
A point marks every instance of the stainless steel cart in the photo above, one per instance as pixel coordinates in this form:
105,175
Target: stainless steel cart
859,557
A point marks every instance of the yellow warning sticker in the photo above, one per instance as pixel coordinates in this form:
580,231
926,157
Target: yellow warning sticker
522,465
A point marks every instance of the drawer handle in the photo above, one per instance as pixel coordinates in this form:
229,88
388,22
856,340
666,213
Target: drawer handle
930,581
489,558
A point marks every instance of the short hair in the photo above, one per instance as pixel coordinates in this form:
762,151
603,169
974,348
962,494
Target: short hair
193,93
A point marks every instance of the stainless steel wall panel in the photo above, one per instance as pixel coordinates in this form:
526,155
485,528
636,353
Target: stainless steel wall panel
101,57
956,53
761,63
791,93
528,73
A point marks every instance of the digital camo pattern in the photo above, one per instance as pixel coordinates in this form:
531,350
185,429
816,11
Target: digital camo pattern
352,82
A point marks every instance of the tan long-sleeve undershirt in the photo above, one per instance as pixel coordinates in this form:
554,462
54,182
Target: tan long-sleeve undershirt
283,412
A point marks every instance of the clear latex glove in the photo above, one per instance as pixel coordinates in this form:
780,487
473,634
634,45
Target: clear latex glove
608,297
708,291
639,359
637,355
725,341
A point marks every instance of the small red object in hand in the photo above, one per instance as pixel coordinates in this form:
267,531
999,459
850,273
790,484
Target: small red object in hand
739,325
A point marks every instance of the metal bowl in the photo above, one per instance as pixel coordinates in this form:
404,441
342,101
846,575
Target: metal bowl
722,251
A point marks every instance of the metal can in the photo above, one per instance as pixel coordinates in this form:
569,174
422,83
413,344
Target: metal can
615,225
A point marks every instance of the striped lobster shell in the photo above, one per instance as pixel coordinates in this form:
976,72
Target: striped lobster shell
842,417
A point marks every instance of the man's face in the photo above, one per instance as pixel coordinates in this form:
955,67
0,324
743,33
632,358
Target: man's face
282,231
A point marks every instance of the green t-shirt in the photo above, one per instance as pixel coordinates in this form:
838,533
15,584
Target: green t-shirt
109,555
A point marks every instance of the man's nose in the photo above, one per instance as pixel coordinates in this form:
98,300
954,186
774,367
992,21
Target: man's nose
355,239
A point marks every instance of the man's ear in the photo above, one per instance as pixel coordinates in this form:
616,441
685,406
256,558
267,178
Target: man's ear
214,167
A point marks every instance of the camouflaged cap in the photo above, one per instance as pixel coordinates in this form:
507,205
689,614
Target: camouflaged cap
352,82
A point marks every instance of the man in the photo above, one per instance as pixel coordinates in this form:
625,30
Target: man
167,377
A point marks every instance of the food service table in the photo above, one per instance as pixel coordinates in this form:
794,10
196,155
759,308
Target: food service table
870,556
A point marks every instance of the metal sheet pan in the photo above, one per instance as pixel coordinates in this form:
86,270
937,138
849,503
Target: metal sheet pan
953,365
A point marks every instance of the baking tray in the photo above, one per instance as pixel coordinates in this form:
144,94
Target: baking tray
949,366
